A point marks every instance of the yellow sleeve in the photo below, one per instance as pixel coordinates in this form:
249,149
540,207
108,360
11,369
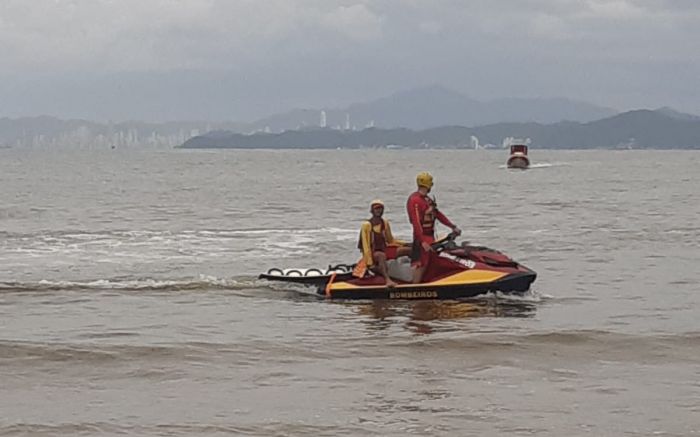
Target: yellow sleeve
366,235
390,240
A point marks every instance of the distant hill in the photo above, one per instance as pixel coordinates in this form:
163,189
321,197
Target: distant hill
675,114
633,129
660,128
434,106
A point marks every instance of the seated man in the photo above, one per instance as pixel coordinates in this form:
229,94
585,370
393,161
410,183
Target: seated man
378,244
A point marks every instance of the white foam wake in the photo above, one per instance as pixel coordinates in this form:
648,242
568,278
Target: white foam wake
201,282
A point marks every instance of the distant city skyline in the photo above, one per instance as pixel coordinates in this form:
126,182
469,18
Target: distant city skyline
240,61
633,129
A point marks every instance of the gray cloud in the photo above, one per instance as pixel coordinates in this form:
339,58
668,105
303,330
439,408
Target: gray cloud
248,57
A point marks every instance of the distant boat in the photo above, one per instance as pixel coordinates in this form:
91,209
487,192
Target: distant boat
518,156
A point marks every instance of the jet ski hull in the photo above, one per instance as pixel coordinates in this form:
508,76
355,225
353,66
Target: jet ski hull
515,283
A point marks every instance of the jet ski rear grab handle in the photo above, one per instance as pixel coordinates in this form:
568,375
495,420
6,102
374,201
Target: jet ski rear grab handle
338,268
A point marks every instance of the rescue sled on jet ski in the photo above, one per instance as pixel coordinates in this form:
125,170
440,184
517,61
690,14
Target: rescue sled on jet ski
455,271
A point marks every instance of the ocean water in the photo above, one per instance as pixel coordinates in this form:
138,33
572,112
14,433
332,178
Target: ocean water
130,304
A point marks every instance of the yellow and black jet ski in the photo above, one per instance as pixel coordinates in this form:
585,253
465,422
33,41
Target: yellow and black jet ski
454,271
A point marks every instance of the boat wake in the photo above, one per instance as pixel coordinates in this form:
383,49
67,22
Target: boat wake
538,165
530,296
144,284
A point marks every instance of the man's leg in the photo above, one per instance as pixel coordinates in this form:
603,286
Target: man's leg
418,274
403,251
380,259
420,266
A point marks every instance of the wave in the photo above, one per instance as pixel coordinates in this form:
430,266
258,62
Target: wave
126,246
242,353
146,284
90,352
567,345
571,345
184,429
88,235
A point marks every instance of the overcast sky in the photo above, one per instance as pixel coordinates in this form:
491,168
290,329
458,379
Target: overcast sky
242,59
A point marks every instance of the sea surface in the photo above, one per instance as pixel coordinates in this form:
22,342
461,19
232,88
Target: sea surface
130,304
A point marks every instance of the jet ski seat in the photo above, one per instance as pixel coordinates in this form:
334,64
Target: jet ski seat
400,269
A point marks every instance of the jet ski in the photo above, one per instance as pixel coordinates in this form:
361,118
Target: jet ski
454,271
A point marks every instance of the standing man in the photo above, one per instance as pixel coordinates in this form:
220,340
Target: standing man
422,212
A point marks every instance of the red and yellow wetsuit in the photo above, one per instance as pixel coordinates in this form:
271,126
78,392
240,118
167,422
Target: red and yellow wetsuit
376,236
422,213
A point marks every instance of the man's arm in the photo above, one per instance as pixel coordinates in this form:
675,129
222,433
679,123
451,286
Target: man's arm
366,236
444,220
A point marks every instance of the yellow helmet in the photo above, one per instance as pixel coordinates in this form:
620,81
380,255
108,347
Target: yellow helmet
376,202
424,179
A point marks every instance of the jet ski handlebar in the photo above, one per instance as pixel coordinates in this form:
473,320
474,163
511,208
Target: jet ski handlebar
445,242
